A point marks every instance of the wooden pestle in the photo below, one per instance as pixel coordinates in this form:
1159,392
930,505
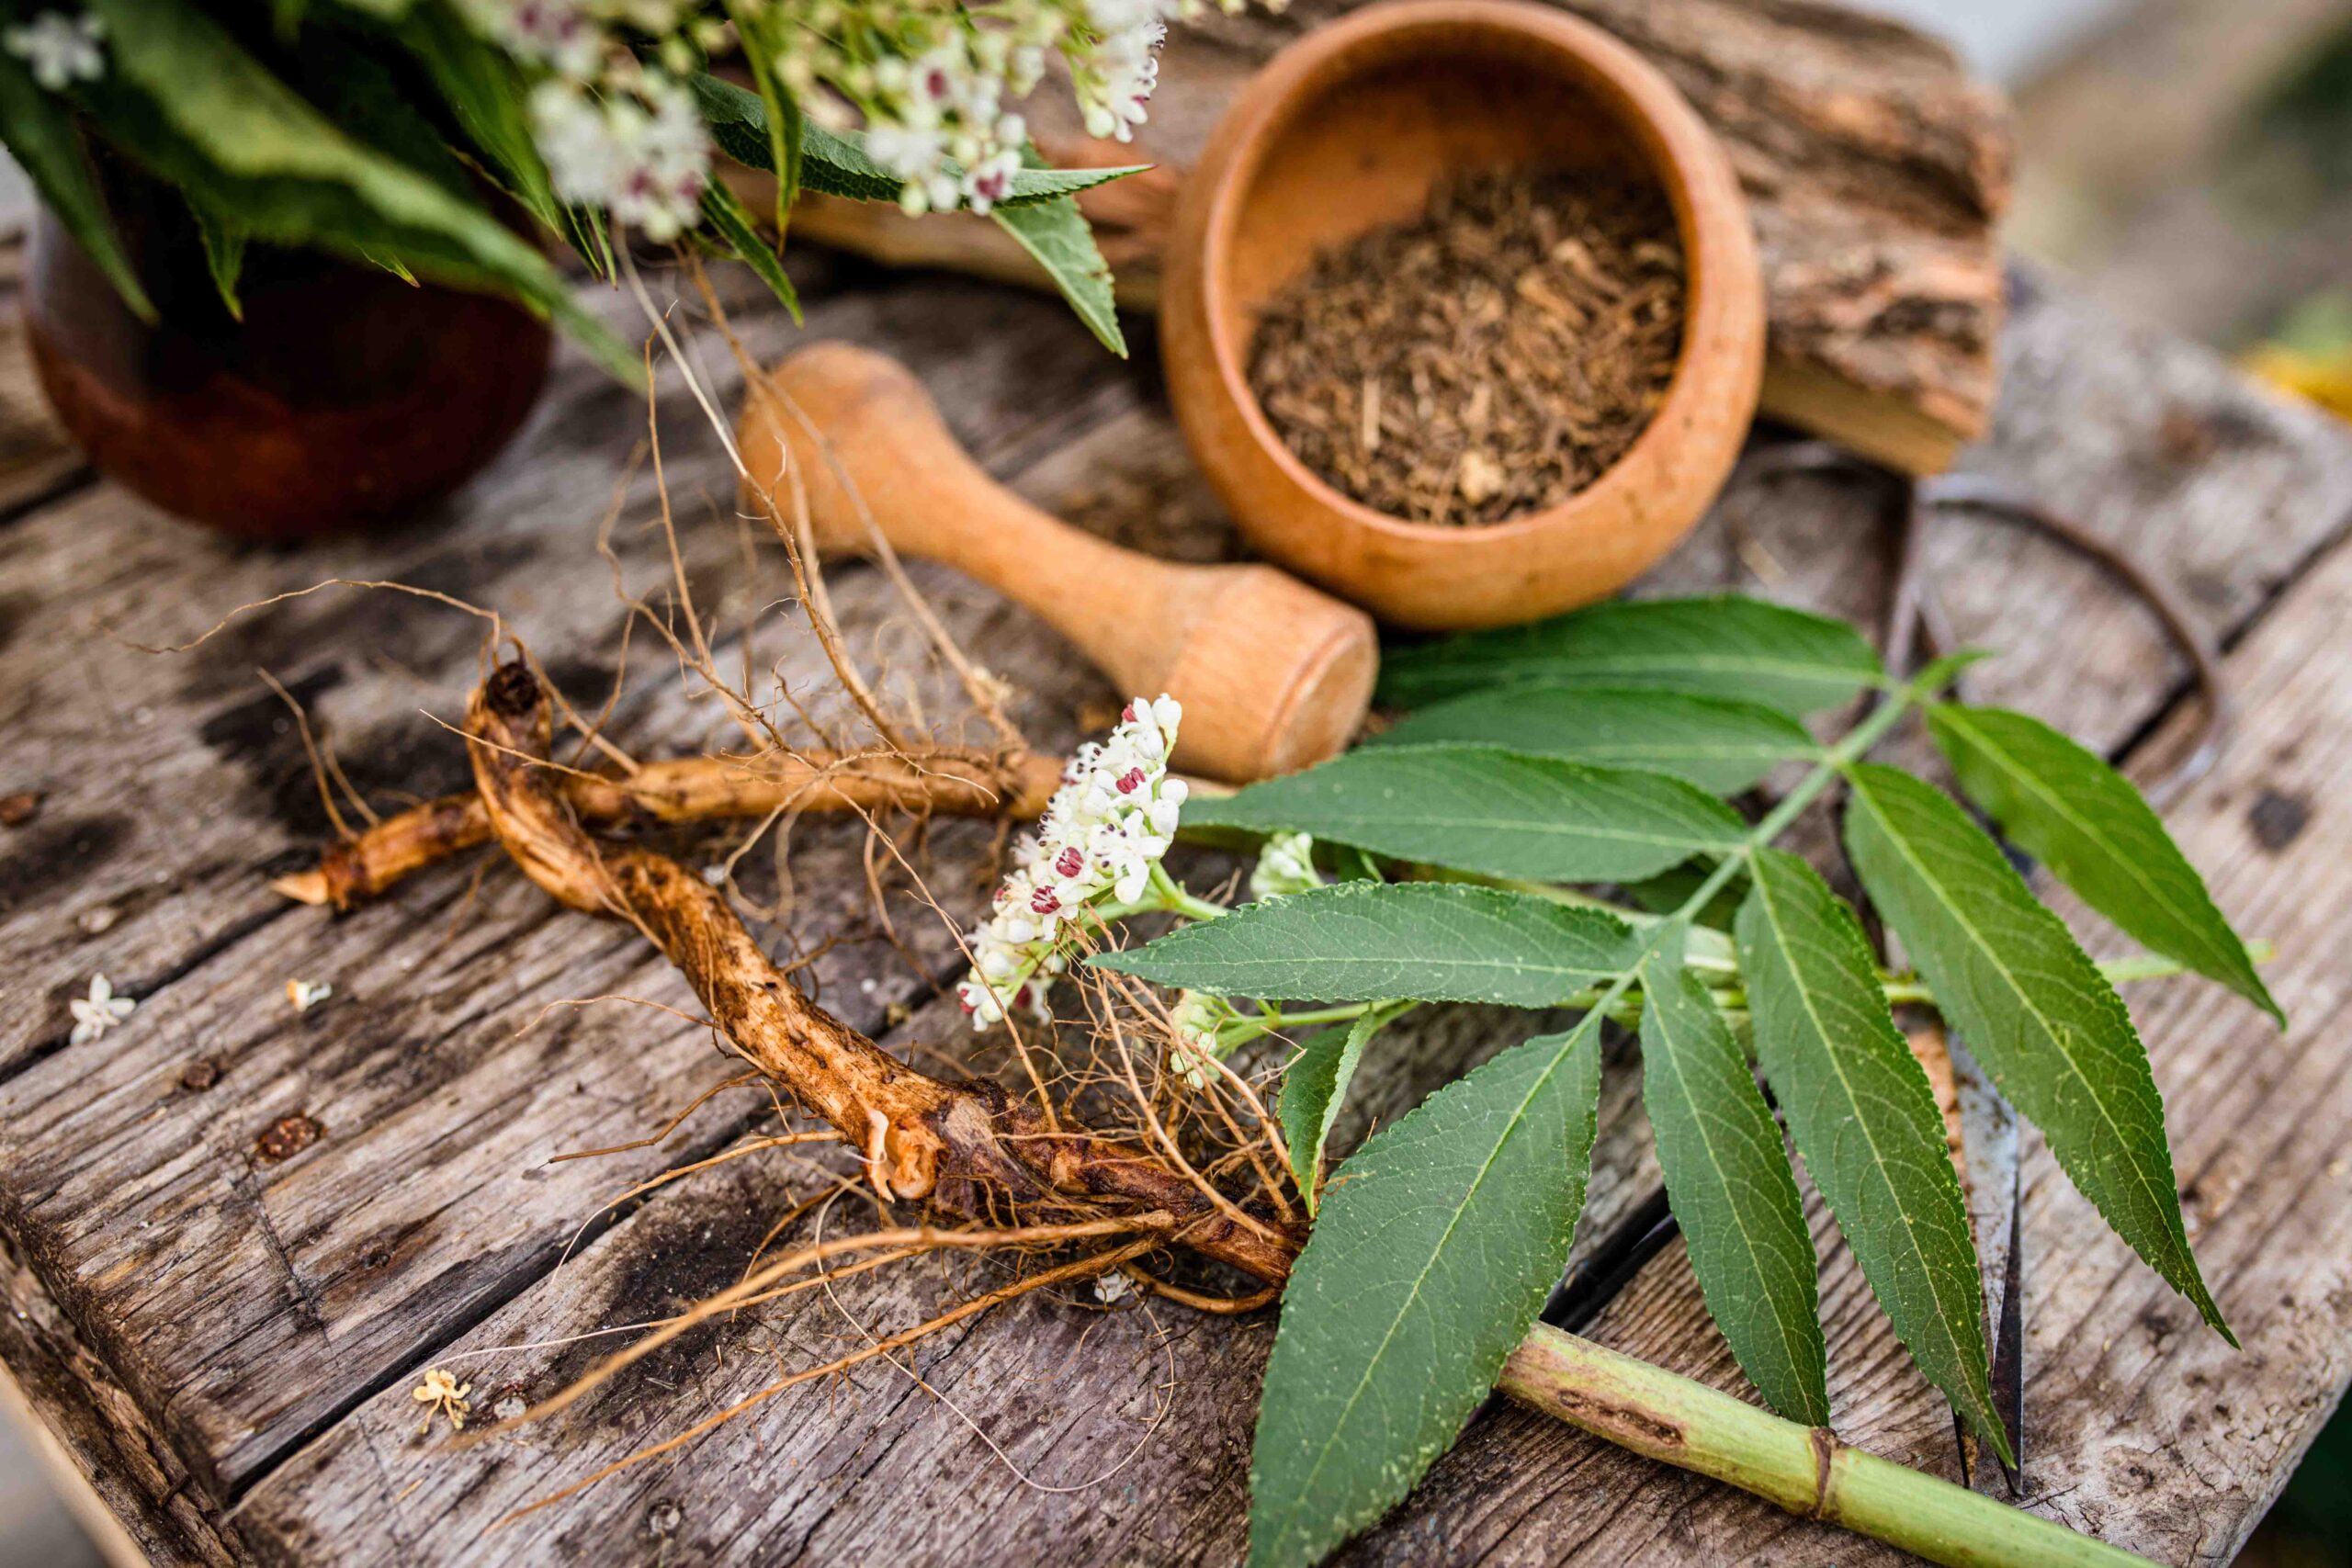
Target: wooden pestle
1274,674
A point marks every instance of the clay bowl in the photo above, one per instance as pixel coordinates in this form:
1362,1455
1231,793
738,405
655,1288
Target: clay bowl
1347,131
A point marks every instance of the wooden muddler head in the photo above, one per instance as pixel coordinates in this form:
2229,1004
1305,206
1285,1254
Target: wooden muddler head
1273,675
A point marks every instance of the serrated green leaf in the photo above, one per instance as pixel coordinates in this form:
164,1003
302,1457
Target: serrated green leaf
181,97
1860,1109
1368,941
1315,1086
731,221
2034,1009
39,129
1728,1179
1436,1246
1719,744
224,254
2068,808
484,92
1481,809
1057,234
1727,647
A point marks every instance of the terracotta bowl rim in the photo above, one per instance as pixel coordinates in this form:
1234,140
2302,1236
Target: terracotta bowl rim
1623,83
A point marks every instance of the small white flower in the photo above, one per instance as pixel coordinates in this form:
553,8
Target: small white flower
558,34
1112,1288
98,1012
1115,77
991,180
60,50
1100,836
304,995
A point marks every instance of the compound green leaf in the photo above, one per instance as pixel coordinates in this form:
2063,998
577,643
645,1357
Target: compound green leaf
182,96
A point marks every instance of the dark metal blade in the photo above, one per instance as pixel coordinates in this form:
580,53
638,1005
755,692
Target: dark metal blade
1990,1148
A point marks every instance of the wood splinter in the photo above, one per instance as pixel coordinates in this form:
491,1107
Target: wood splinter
966,1147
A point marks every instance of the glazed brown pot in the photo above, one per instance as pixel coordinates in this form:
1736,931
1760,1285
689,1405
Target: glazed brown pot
1348,130
344,398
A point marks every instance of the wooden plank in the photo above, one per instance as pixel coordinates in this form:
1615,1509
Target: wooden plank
1875,167
123,1482
878,1464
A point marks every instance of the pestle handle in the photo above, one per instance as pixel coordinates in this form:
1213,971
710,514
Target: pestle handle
882,432
1274,674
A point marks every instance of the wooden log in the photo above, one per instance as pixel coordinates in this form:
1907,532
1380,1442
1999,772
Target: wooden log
1876,170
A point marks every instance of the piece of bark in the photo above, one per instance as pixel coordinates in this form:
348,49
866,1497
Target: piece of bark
1875,167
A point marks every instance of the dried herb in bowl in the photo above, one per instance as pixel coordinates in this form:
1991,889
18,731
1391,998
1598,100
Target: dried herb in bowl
1488,359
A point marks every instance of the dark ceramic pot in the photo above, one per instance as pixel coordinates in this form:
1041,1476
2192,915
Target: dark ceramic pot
344,398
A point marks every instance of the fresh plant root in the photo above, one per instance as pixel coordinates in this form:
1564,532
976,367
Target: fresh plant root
967,1148
692,789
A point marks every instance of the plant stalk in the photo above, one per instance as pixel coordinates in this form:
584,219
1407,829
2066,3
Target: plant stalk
1805,1470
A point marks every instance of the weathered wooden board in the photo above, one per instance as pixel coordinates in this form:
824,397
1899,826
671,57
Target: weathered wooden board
267,1311
244,1301
1876,169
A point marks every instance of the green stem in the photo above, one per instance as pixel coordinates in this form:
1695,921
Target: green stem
1172,898
1803,1470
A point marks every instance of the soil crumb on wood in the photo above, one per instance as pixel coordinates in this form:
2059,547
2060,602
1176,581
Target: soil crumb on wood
1491,357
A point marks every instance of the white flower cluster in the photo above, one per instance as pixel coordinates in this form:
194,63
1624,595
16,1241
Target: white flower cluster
618,135
949,104
1100,839
60,48
1286,865
934,104
639,151
1115,76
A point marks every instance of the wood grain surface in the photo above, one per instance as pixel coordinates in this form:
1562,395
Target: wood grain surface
253,1326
